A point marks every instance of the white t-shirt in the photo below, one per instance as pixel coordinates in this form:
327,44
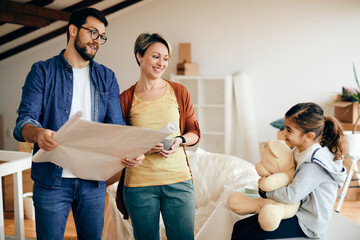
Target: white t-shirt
301,157
81,101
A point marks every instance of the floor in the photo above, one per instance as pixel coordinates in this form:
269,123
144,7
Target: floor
29,225
350,209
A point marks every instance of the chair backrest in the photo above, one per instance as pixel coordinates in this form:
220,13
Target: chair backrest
213,171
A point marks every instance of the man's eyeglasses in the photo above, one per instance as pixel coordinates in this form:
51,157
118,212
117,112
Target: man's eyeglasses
95,35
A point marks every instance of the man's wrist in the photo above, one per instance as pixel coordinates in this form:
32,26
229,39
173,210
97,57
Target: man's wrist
30,133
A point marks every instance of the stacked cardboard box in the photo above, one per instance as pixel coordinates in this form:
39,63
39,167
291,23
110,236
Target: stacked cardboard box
1,134
346,112
185,66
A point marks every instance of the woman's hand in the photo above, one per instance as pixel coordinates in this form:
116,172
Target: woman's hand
133,162
158,147
173,148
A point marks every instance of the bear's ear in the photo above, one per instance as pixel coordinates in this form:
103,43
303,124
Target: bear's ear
275,148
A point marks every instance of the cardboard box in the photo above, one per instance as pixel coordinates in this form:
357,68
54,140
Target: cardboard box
26,147
346,111
184,52
349,126
1,134
187,69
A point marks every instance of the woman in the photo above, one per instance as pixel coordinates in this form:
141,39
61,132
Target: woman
163,182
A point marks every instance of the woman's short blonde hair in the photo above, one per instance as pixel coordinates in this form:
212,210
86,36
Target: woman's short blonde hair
145,40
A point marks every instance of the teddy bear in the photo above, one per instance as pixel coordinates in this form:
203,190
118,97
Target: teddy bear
276,170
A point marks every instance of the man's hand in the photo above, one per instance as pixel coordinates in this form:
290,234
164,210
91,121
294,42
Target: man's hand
133,162
43,137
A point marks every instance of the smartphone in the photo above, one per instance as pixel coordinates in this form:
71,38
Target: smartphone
168,142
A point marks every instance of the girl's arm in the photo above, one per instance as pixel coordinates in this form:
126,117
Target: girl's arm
305,181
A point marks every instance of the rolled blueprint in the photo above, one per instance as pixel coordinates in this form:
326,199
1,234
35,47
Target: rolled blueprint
63,130
170,127
93,151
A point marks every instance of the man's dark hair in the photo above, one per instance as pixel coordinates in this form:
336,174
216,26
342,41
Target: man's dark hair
78,18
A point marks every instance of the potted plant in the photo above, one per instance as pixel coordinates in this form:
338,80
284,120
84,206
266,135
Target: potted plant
353,137
356,96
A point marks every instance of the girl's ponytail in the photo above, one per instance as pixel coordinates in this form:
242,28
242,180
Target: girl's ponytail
332,136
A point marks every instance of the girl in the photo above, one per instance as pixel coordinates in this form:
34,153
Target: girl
317,147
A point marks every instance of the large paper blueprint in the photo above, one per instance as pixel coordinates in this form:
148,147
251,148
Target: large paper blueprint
93,151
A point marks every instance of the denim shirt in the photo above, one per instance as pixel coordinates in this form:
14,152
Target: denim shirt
46,103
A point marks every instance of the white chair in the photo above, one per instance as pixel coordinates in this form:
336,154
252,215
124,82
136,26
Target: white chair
353,169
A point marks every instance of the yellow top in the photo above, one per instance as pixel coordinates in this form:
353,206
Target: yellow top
156,169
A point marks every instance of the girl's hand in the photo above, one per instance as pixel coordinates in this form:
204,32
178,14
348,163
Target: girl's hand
133,162
173,148
260,180
158,147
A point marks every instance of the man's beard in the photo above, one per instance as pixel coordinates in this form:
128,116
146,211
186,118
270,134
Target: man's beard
82,50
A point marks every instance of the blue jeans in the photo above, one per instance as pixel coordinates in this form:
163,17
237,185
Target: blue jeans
52,206
176,202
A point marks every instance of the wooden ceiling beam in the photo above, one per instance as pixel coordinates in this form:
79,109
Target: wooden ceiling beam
25,14
26,30
119,6
16,34
39,3
32,43
60,31
21,19
38,11
82,4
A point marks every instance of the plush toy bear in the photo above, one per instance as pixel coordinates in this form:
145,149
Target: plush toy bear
277,170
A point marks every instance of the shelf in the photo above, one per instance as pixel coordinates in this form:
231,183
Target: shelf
212,101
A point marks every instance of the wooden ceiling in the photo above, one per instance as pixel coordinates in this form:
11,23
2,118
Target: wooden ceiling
25,24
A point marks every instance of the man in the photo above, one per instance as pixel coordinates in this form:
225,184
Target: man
54,90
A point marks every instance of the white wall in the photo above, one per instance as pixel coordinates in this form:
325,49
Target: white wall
292,50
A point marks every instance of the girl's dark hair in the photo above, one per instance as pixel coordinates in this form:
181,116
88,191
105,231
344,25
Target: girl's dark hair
309,117
145,40
78,18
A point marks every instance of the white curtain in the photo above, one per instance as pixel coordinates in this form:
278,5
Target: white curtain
245,140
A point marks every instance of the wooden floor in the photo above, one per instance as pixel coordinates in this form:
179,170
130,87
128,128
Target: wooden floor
29,225
350,209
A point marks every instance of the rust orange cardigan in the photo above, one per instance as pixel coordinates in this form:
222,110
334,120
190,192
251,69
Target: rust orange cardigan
188,123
